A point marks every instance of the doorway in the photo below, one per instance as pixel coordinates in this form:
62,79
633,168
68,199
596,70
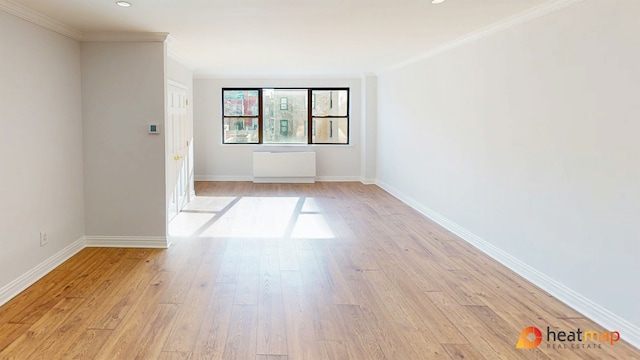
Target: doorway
178,141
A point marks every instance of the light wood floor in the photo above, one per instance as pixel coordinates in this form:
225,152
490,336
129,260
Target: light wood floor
324,271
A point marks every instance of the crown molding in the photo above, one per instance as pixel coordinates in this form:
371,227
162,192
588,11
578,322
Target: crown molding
36,18
522,18
275,76
125,36
171,53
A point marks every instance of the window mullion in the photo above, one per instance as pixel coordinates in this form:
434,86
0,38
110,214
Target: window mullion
260,117
309,117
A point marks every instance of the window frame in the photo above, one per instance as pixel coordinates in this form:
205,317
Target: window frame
259,116
310,118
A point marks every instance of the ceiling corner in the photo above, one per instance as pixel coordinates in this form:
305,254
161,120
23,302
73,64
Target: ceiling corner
125,36
37,18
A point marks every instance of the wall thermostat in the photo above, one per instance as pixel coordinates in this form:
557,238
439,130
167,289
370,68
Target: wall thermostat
154,129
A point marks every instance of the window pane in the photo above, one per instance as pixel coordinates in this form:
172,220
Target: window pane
330,130
284,116
330,102
240,102
241,130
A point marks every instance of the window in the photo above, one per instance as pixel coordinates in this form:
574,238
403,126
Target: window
241,116
284,103
285,116
330,117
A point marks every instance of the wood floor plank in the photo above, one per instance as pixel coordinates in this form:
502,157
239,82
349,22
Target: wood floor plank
248,282
271,357
211,340
189,321
166,355
62,283
86,345
38,340
336,285
109,313
272,332
10,332
176,292
242,335
145,328
336,350
140,339
326,317
78,261
104,274
485,341
230,268
301,339
361,339
462,351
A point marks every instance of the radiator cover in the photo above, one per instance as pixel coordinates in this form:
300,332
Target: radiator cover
284,167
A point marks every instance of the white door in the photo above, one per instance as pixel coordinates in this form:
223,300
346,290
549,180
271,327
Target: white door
178,142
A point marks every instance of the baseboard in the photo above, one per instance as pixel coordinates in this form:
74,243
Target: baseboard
629,332
250,178
222,178
151,242
17,286
338,178
284,180
367,181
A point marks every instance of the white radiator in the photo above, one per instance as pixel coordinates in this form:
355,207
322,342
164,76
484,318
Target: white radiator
284,167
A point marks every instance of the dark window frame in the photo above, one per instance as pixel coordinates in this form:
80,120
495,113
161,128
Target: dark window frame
310,117
259,116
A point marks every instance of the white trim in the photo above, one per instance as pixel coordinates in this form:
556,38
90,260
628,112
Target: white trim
222,178
151,242
338,178
629,332
522,18
171,53
250,178
177,84
284,180
125,36
36,18
367,181
18,285
279,76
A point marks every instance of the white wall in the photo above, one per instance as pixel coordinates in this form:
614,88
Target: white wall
123,86
528,138
214,161
41,145
368,156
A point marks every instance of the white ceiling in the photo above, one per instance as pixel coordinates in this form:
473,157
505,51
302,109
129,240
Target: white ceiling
289,37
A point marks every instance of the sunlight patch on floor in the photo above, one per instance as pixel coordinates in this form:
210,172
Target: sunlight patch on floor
209,203
311,205
185,223
312,226
256,217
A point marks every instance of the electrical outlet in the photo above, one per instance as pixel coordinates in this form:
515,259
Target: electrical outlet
44,240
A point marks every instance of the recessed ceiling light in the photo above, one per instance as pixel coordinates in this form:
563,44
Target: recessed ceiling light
127,4
437,1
